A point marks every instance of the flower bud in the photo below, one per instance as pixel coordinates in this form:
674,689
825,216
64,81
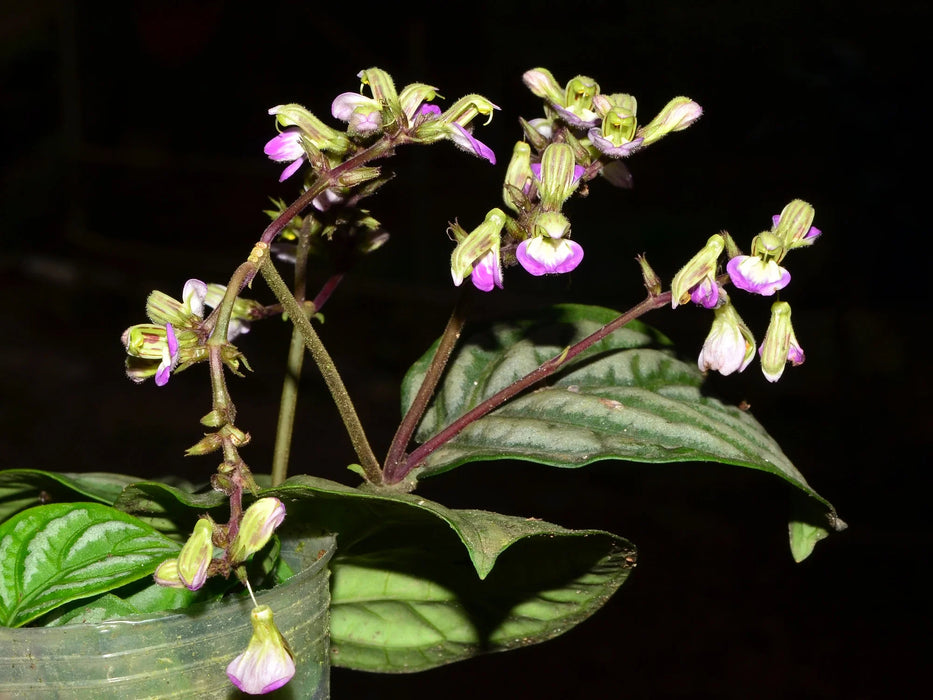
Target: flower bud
542,84
484,239
780,345
196,555
701,266
677,115
558,175
166,574
652,282
259,522
518,178
268,663
793,226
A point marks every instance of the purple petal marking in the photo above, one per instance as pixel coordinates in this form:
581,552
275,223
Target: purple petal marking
754,275
487,273
542,255
465,140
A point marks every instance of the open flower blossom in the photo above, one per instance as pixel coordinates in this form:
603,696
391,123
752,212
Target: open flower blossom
268,662
286,148
549,251
758,276
729,347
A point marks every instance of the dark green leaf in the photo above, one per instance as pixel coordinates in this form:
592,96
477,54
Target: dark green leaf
418,585
25,488
57,553
625,399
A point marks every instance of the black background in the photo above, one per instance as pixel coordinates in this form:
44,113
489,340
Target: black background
132,160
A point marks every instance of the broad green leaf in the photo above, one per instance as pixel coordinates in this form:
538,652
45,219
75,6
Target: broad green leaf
60,552
625,399
25,488
417,585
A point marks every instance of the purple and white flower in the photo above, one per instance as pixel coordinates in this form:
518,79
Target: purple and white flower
729,347
286,148
268,663
751,273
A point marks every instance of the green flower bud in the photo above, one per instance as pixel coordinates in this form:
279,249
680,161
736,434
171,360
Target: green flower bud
259,522
518,178
795,223
701,266
559,175
652,282
196,555
474,245
166,574
780,345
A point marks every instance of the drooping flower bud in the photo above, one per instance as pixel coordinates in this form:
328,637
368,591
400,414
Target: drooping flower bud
780,345
701,269
481,244
196,555
268,663
259,522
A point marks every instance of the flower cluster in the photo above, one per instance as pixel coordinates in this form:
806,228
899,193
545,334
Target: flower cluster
267,663
730,346
175,338
408,116
583,133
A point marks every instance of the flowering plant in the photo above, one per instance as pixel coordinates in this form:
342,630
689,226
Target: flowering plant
564,387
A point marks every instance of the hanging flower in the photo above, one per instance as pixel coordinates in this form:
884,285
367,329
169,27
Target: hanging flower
268,662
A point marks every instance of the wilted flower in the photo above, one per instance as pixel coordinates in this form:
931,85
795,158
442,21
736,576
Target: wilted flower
268,662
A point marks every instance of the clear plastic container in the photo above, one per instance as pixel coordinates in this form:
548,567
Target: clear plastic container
178,655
